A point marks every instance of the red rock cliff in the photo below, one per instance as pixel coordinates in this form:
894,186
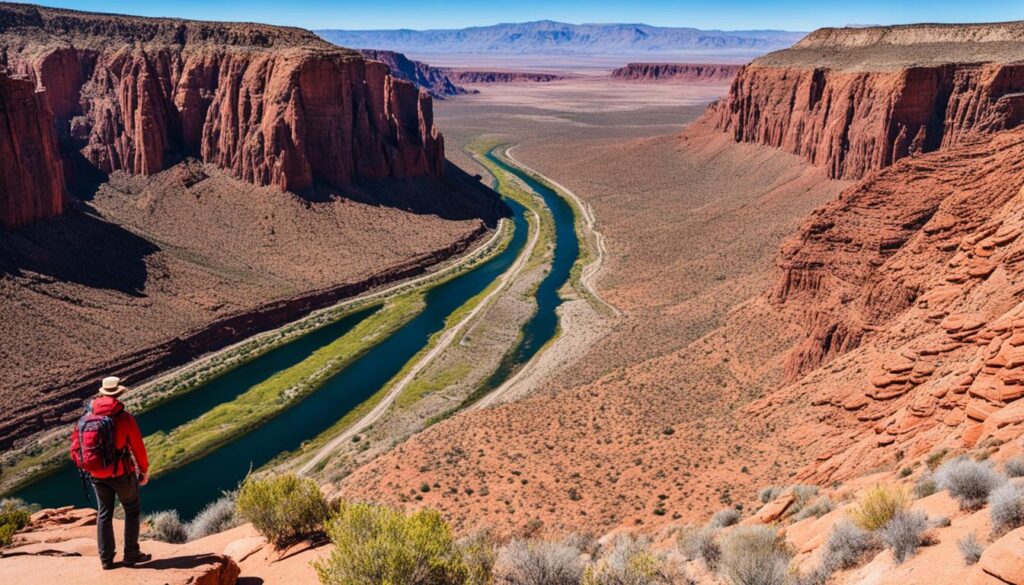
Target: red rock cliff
31,179
879,96
857,100
276,106
692,72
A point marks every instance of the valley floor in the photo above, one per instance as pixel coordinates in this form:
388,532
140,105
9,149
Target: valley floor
692,223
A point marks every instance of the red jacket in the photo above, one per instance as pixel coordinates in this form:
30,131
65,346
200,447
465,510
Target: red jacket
126,433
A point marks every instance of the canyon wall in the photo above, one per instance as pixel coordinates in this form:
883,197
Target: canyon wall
31,178
855,122
275,106
434,80
689,72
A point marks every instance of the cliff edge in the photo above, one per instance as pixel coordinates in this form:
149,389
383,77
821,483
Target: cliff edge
857,100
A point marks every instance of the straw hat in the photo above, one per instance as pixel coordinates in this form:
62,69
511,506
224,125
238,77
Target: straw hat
112,386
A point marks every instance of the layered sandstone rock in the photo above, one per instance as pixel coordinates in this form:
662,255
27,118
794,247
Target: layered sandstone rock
685,72
31,178
274,106
854,101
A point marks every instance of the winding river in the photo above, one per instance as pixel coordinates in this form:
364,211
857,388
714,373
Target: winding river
189,488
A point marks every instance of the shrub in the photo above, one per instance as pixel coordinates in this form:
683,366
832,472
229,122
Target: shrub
769,493
877,506
167,527
970,549
584,542
755,555
377,544
538,563
217,516
846,547
935,458
284,508
817,509
904,534
702,544
477,553
630,562
1014,467
968,482
802,495
1006,507
724,518
925,485
14,515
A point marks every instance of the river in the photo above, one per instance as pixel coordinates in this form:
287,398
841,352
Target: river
189,488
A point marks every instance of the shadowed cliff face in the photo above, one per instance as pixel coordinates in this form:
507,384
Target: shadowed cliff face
31,180
434,80
274,106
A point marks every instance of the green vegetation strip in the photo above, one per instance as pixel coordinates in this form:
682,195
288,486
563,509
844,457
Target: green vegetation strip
312,446
227,421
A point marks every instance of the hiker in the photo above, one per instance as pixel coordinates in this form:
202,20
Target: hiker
106,445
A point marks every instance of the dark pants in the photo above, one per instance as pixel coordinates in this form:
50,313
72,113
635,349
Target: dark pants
126,489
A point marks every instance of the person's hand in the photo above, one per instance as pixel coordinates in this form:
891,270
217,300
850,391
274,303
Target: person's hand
143,479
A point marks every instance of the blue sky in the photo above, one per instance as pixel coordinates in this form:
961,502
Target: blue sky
721,14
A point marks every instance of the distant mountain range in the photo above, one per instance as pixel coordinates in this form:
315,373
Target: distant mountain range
549,37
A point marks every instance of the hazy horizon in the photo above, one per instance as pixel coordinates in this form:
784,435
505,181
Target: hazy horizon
725,15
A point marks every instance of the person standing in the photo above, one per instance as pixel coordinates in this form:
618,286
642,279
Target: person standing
107,448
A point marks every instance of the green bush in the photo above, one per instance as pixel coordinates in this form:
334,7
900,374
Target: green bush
378,545
284,508
14,515
877,506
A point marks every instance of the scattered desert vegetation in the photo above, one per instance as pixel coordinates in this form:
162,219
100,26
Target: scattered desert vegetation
217,516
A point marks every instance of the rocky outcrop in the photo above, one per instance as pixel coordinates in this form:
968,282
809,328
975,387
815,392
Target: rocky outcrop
473,76
62,541
858,100
432,79
31,178
274,106
684,72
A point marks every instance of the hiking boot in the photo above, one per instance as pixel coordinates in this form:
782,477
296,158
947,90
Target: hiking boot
139,558
107,565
